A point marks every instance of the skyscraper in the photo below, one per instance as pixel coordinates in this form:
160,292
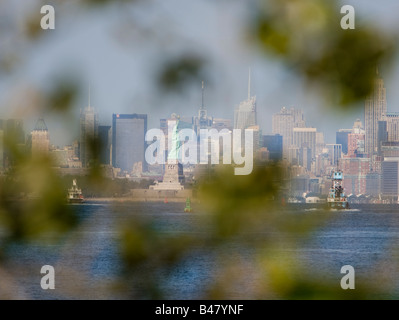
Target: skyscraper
305,137
105,140
245,113
40,138
283,122
274,144
202,121
341,138
320,145
375,107
389,149
373,183
390,177
355,145
305,157
334,151
15,133
355,172
88,134
128,141
14,137
357,127
392,125
382,135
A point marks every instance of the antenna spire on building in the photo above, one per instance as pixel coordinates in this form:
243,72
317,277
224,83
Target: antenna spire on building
202,103
89,98
249,83
202,120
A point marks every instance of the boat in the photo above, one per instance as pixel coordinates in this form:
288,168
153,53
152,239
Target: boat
336,198
188,205
75,194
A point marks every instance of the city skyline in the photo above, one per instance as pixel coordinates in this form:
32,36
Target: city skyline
198,151
296,116
128,87
277,101
105,118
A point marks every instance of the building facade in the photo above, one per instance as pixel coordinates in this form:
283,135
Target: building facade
202,121
305,137
375,108
128,141
284,122
341,137
220,124
382,135
88,135
390,177
390,149
13,134
40,138
245,114
355,172
334,151
105,141
274,144
392,125
355,145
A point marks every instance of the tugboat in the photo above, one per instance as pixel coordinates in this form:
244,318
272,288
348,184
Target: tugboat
336,198
75,194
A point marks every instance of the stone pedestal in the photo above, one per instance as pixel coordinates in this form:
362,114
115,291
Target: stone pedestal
170,178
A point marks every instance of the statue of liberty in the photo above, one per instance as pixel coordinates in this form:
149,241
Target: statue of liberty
174,153
171,174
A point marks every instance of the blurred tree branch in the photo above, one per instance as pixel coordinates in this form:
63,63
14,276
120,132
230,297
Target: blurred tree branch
305,35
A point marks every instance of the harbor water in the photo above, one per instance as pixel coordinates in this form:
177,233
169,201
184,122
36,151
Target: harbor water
88,263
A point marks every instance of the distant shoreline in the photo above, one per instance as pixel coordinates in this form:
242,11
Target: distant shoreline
129,199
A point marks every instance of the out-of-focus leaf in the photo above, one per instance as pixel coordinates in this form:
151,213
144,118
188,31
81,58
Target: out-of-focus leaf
33,201
150,253
62,94
235,203
32,28
307,37
176,74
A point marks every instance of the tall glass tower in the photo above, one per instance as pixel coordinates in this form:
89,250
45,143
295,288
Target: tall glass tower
128,141
245,113
88,134
374,109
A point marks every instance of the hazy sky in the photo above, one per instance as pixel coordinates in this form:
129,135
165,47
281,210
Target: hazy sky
121,64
